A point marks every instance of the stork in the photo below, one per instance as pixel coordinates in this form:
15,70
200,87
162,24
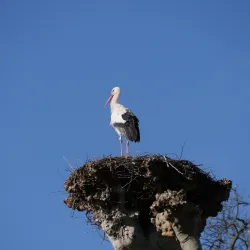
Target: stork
124,122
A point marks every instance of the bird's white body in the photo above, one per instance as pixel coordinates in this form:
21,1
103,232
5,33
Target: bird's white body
117,110
123,120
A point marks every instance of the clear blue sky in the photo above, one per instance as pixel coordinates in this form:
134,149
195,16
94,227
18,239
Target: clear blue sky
184,69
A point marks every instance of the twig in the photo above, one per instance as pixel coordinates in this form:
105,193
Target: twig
182,148
129,183
68,163
169,163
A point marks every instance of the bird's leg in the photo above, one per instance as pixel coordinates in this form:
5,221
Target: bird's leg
127,144
120,145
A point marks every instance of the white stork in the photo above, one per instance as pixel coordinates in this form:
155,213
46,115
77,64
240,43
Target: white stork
125,123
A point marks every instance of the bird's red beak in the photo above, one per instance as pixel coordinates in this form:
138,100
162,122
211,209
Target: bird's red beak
110,98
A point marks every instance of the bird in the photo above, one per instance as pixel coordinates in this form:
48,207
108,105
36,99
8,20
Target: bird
123,120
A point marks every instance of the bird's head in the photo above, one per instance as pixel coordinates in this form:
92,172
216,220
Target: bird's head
114,92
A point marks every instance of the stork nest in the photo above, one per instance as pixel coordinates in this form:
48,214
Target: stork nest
97,185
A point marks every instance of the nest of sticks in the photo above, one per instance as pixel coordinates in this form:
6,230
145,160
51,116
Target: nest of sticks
150,184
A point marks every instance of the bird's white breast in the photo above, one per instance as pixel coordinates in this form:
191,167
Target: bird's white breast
117,111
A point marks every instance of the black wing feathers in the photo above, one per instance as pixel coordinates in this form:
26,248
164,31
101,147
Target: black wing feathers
131,126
